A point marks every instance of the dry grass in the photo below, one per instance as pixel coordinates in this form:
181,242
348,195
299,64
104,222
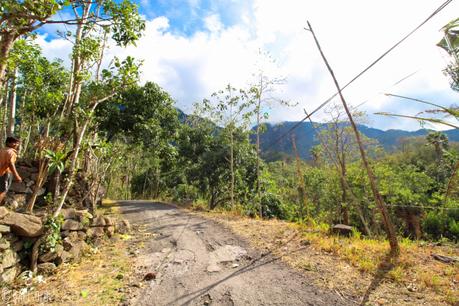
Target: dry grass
96,280
353,266
109,207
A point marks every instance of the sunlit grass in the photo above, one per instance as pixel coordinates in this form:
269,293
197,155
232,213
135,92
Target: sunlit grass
109,207
414,265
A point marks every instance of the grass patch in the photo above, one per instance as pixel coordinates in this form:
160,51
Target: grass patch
96,280
109,207
342,260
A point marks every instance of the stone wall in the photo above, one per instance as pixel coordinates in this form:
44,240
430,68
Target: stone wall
17,232
10,248
79,232
20,193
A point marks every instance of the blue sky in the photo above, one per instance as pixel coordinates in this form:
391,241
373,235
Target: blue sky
185,16
192,48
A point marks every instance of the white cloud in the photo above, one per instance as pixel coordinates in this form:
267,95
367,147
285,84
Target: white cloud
352,34
191,68
55,48
213,23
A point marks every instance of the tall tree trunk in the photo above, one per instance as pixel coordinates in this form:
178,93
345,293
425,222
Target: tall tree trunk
260,93
232,167
23,147
344,207
12,103
57,186
389,227
258,158
344,204
144,186
6,43
41,177
5,116
69,94
101,56
72,171
74,157
95,196
213,199
366,228
77,64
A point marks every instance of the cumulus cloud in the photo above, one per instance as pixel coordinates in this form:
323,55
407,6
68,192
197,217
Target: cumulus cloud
352,35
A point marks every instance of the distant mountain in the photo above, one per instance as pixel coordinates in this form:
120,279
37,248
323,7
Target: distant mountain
181,115
305,138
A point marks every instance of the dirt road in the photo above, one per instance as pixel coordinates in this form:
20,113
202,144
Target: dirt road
195,261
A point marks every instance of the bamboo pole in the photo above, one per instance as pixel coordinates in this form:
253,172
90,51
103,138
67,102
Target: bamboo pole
389,227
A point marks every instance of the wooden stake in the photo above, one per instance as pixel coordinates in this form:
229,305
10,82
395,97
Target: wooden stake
389,227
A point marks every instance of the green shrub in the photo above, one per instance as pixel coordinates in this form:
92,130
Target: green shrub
441,224
272,207
434,225
453,229
184,192
53,229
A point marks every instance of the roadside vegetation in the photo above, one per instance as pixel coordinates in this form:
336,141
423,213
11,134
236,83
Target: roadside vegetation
354,267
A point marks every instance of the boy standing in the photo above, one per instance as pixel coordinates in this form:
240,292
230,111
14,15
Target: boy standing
8,156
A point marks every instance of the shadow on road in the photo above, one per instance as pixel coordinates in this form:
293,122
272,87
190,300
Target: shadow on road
131,207
263,260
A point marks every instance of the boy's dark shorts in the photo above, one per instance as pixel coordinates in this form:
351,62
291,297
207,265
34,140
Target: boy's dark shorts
5,182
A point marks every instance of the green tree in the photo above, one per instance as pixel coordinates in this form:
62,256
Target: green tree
407,189
94,22
228,108
262,93
204,152
18,18
145,114
450,43
123,74
41,87
144,117
439,141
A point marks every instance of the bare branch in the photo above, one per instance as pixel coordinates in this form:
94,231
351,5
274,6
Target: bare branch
432,120
447,110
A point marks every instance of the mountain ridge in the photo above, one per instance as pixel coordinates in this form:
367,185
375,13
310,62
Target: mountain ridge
305,137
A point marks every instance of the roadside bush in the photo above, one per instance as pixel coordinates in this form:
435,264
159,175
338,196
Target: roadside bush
442,224
185,192
272,207
434,225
